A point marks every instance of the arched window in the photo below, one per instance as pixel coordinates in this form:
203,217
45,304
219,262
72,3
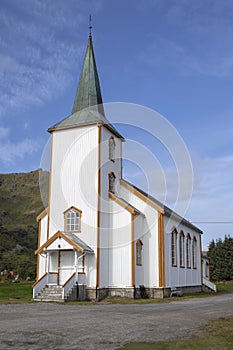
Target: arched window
181,246
188,251
72,220
111,148
139,245
174,247
194,253
111,182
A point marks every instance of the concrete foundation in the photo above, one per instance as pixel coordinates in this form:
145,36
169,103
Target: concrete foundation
133,293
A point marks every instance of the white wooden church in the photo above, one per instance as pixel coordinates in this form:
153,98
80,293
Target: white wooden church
101,235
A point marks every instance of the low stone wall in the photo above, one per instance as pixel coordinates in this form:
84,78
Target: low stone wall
86,293
128,292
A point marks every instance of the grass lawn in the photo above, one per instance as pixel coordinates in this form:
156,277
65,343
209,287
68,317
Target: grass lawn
15,292
22,292
224,287
217,335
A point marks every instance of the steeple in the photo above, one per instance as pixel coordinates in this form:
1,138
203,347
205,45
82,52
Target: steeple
88,92
88,104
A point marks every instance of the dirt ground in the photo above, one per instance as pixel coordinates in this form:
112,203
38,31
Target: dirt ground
48,326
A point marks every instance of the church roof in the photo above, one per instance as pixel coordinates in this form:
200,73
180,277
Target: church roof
167,211
70,238
88,93
77,241
125,204
88,104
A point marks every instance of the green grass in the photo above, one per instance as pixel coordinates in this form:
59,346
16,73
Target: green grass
11,293
225,287
217,335
22,292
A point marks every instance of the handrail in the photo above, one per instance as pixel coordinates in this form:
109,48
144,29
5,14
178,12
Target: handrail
209,284
35,283
68,280
68,285
39,285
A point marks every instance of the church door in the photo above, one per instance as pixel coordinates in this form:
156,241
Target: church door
65,265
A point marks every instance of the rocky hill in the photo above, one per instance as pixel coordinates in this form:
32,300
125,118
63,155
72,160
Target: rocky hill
20,203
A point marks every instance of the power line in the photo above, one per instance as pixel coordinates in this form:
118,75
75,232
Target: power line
212,222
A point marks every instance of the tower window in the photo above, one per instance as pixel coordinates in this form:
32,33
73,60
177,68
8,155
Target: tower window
111,182
112,146
139,245
72,220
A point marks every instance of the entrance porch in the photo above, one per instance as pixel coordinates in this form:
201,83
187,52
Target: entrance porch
65,270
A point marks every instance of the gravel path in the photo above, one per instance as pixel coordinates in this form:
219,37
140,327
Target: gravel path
48,326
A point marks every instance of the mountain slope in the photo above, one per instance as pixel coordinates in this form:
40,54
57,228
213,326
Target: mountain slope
20,203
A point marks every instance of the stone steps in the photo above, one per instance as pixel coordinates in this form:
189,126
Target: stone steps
50,293
53,293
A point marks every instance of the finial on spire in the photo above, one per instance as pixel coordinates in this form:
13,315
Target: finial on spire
90,27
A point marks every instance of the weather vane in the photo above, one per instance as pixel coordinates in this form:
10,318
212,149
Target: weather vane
90,26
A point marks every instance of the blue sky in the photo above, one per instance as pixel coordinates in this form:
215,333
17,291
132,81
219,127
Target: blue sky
173,56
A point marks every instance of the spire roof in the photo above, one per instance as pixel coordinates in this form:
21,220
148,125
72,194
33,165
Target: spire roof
88,104
88,92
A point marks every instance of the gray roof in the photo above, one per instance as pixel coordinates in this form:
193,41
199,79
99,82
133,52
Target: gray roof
87,116
169,212
76,240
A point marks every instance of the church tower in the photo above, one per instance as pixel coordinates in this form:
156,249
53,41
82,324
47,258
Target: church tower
85,165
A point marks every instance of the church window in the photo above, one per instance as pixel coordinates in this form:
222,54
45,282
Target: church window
174,247
72,220
111,182
139,245
181,246
194,253
112,146
188,251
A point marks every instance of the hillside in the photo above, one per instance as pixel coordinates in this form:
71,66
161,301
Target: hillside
20,203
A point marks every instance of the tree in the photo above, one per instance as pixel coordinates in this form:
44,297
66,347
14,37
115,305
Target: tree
221,259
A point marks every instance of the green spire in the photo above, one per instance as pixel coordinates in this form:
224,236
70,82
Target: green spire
88,105
88,92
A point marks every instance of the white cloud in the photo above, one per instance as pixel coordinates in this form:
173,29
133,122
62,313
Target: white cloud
38,48
10,152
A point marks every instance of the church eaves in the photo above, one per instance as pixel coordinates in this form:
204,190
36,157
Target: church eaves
88,104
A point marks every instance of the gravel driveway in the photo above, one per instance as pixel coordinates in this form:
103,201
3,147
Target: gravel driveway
48,326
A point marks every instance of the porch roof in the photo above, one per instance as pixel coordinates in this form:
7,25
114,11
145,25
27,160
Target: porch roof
71,239
76,240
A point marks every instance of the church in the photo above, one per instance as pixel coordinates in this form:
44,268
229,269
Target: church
101,235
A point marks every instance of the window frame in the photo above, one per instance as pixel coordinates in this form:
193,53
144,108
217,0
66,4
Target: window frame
111,149
111,186
73,210
194,252
139,245
174,247
181,248
188,251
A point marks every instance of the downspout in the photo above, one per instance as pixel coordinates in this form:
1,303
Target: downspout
77,286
